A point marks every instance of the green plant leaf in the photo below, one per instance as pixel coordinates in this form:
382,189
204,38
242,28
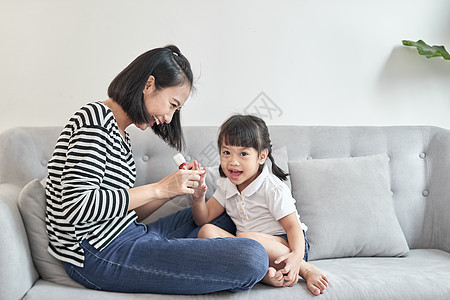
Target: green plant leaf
427,50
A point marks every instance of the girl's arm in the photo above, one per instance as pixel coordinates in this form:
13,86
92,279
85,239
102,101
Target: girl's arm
204,212
296,240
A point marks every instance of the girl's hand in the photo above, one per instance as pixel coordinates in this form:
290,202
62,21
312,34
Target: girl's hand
291,269
200,190
180,182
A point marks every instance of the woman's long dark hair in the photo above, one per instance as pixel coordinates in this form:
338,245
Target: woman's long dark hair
170,68
251,132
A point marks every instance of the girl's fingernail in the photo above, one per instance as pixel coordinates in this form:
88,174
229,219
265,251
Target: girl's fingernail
204,187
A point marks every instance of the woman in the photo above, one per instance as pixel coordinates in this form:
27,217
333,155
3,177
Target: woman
93,208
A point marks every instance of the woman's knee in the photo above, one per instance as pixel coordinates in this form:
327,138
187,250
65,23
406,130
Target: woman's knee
252,260
255,248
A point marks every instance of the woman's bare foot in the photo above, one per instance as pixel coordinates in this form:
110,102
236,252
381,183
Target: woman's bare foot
316,279
273,278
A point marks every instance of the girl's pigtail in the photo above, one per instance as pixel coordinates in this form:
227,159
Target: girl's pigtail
276,170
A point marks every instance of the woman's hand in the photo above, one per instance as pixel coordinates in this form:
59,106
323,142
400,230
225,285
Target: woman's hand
181,182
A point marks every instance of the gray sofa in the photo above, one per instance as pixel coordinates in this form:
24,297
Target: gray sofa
376,200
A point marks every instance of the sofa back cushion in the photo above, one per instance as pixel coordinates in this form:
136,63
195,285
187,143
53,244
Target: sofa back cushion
32,208
418,167
25,152
348,207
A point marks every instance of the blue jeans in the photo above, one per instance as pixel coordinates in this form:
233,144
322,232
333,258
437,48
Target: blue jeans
162,258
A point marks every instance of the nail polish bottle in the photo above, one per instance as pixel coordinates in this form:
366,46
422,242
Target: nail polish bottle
179,160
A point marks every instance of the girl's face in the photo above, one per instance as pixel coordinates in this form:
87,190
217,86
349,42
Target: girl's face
241,164
162,104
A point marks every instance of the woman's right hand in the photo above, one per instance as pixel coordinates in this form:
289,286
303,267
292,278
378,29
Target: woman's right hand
180,182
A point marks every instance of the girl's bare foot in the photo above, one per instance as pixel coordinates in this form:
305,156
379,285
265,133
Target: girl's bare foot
273,278
316,279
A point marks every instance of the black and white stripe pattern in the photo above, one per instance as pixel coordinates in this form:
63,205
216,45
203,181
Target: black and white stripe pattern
88,176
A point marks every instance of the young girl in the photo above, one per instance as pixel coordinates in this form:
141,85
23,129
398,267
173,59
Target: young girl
258,202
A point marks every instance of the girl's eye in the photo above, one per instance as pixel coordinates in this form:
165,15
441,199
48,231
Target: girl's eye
244,154
226,152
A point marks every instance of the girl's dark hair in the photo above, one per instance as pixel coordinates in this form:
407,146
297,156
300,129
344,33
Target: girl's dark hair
170,68
248,131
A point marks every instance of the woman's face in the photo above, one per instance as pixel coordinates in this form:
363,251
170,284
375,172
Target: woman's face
162,104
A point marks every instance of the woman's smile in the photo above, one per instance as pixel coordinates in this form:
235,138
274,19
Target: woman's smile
155,120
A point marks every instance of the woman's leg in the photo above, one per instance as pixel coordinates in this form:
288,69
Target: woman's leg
182,225
272,277
144,259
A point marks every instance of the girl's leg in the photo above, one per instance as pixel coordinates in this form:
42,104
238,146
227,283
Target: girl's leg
139,260
210,231
275,246
316,279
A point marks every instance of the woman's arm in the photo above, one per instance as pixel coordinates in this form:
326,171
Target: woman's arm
148,198
85,201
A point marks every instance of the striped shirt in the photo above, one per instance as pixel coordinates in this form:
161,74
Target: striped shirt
91,169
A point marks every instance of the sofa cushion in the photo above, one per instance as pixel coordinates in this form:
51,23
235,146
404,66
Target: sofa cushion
348,207
32,208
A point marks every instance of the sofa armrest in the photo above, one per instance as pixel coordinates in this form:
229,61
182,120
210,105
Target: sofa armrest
17,271
438,200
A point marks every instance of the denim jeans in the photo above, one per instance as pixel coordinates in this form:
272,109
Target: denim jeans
161,257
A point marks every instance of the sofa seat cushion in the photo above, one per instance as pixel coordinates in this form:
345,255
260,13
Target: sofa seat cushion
423,274
348,207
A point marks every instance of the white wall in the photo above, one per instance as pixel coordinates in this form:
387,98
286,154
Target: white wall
316,62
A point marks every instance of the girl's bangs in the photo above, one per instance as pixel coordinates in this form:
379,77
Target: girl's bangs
240,136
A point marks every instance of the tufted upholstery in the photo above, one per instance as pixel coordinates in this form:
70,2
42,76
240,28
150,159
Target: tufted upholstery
419,163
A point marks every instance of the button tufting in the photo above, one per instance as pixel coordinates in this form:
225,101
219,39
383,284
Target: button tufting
309,158
422,155
425,193
188,158
145,158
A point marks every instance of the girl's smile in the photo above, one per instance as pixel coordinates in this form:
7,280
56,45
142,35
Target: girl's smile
235,174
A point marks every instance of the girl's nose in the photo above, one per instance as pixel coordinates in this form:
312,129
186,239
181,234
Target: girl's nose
234,161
